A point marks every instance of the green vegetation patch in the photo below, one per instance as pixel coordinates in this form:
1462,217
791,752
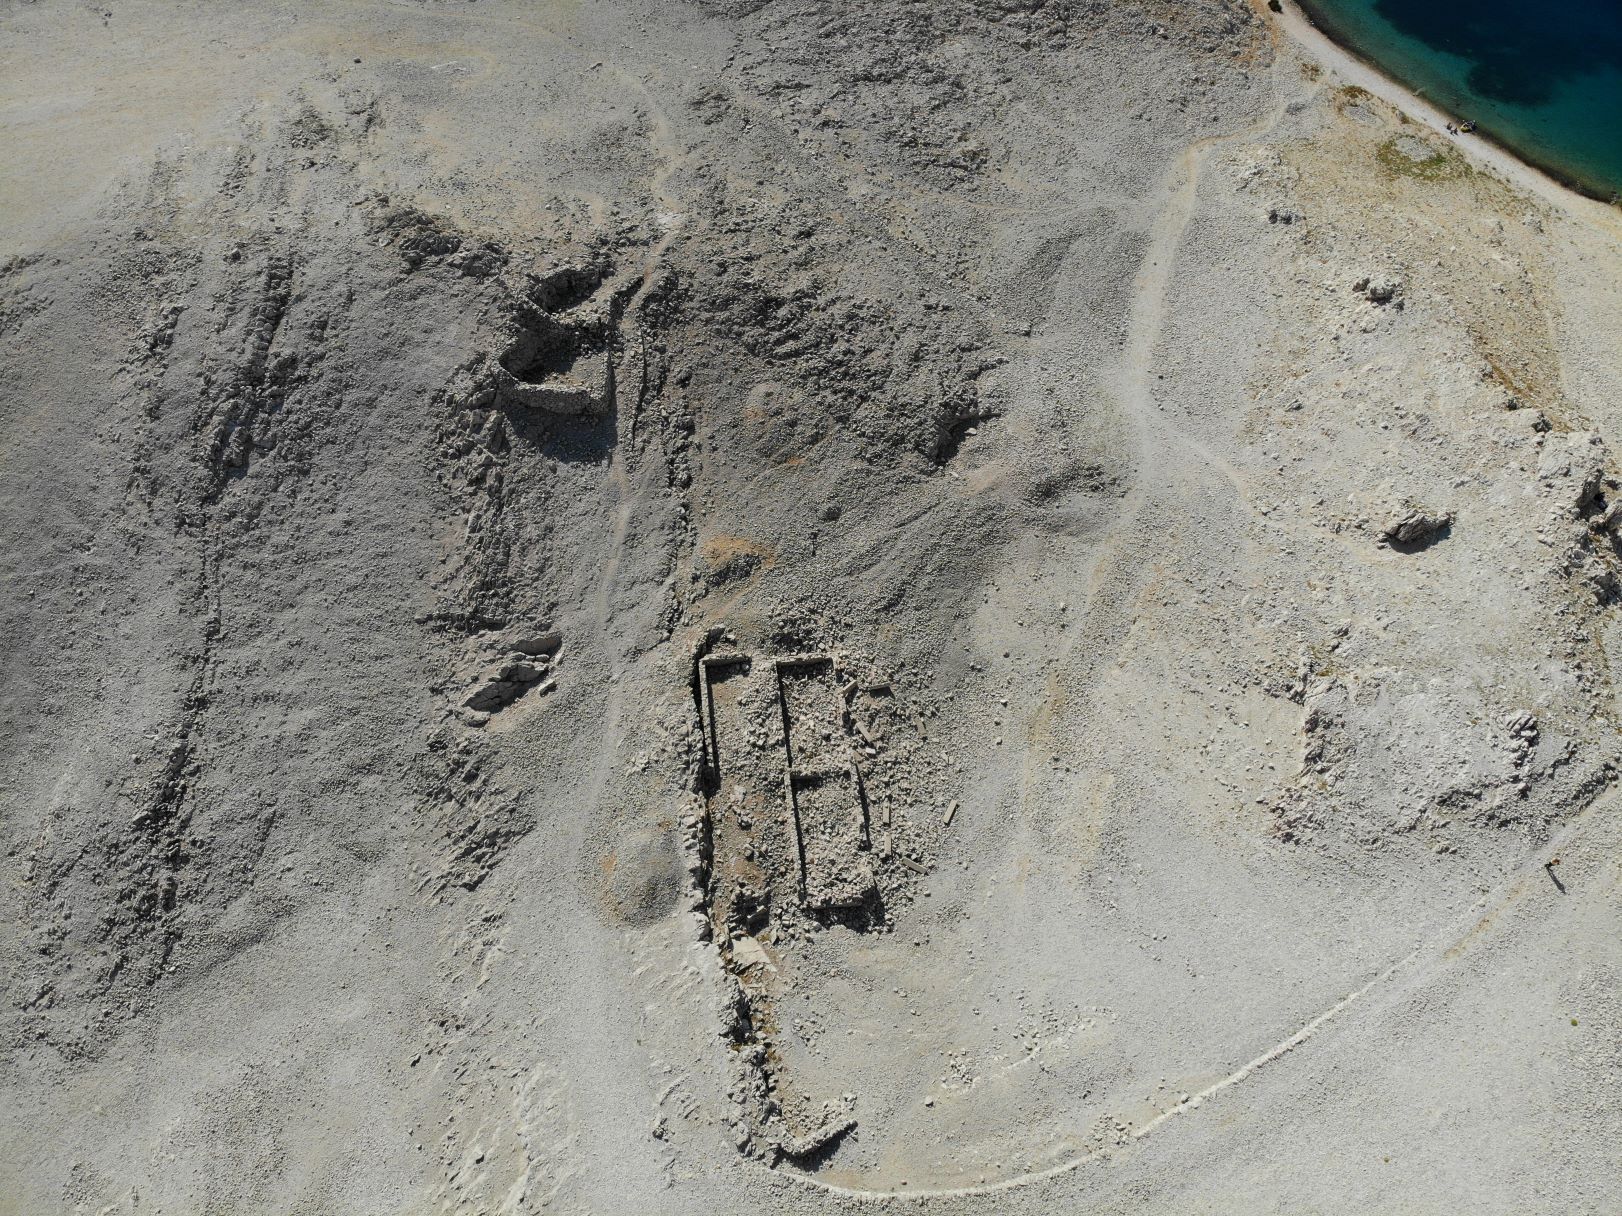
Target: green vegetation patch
1408,155
1357,104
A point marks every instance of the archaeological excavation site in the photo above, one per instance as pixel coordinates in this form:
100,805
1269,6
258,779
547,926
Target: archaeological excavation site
797,606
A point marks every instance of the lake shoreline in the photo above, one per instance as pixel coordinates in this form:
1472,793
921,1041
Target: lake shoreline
1325,46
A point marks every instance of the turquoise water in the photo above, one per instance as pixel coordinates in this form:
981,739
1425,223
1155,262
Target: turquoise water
1545,80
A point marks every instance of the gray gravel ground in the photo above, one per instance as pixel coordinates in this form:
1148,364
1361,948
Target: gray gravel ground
727,606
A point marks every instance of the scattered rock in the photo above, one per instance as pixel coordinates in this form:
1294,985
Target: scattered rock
748,952
1383,290
796,1147
546,643
522,673
1415,529
1572,470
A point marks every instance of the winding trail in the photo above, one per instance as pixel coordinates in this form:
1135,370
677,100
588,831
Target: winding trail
1174,468
1175,473
1420,966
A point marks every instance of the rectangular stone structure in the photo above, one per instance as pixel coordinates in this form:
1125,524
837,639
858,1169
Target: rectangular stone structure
831,829
723,729
813,711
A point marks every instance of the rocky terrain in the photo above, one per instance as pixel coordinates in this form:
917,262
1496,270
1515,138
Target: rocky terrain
978,606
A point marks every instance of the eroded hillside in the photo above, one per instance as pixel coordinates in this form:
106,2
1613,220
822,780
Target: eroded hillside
723,607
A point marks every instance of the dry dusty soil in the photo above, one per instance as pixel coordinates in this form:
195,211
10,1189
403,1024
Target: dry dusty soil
733,606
